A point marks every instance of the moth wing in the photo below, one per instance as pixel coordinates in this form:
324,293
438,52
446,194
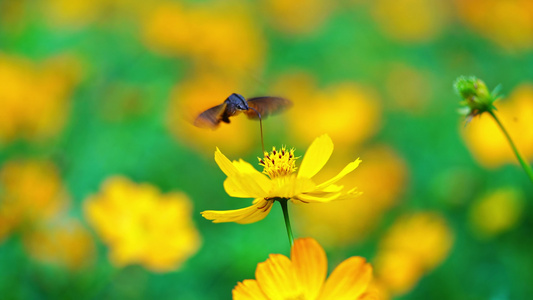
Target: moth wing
266,106
210,118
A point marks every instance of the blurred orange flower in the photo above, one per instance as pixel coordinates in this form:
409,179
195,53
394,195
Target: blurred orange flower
485,139
411,20
413,246
298,16
382,178
47,87
497,212
508,23
143,226
346,111
244,181
303,276
31,191
230,38
64,242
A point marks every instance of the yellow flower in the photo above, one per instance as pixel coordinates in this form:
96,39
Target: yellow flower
246,182
31,192
65,242
143,226
497,212
297,17
226,30
411,20
413,246
303,275
48,85
507,23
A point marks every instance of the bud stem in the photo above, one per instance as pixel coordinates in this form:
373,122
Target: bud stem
283,203
524,164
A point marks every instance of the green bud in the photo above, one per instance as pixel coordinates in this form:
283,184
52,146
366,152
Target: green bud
477,98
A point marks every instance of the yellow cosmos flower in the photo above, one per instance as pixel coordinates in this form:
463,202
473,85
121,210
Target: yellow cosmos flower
303,275
143,226
31,192
282,182
413,246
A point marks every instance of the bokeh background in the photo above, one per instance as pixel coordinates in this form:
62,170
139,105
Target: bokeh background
103,177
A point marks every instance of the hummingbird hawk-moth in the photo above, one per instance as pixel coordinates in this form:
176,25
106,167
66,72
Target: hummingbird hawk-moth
254,108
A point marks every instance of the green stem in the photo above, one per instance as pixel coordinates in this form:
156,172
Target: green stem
524,164
283,203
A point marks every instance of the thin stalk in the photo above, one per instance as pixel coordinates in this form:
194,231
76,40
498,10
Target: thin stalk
524,164
283,203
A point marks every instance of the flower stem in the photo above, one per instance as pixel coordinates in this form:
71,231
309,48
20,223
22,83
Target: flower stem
524,164
283,203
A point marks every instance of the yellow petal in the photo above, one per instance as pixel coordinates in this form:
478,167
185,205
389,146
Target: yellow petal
257,212
246,187
310,265
309,198
349,195
316,156
347,170
348,281
248,290
225,164
290,186
276,278
243,180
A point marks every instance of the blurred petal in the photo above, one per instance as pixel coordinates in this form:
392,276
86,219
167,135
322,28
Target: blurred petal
258,211
310,265
316,156
347,170
276,278
351,277
248,290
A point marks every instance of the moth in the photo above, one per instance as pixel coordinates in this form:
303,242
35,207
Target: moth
254,108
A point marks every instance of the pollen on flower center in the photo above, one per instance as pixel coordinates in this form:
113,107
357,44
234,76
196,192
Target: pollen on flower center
278,162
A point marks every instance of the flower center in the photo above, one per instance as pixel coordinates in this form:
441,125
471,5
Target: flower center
278,162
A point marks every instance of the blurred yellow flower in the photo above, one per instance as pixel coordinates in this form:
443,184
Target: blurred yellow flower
47,87
486,140
143,226
303,276
497,211
382,178
411,20
73,14
299,16
199,93
346,111
31,191
246,182
413,246
64,242
508,23
230,38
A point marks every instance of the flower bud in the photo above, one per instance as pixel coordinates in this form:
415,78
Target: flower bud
476,97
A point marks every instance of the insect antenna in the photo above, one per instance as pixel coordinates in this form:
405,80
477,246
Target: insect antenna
260,127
